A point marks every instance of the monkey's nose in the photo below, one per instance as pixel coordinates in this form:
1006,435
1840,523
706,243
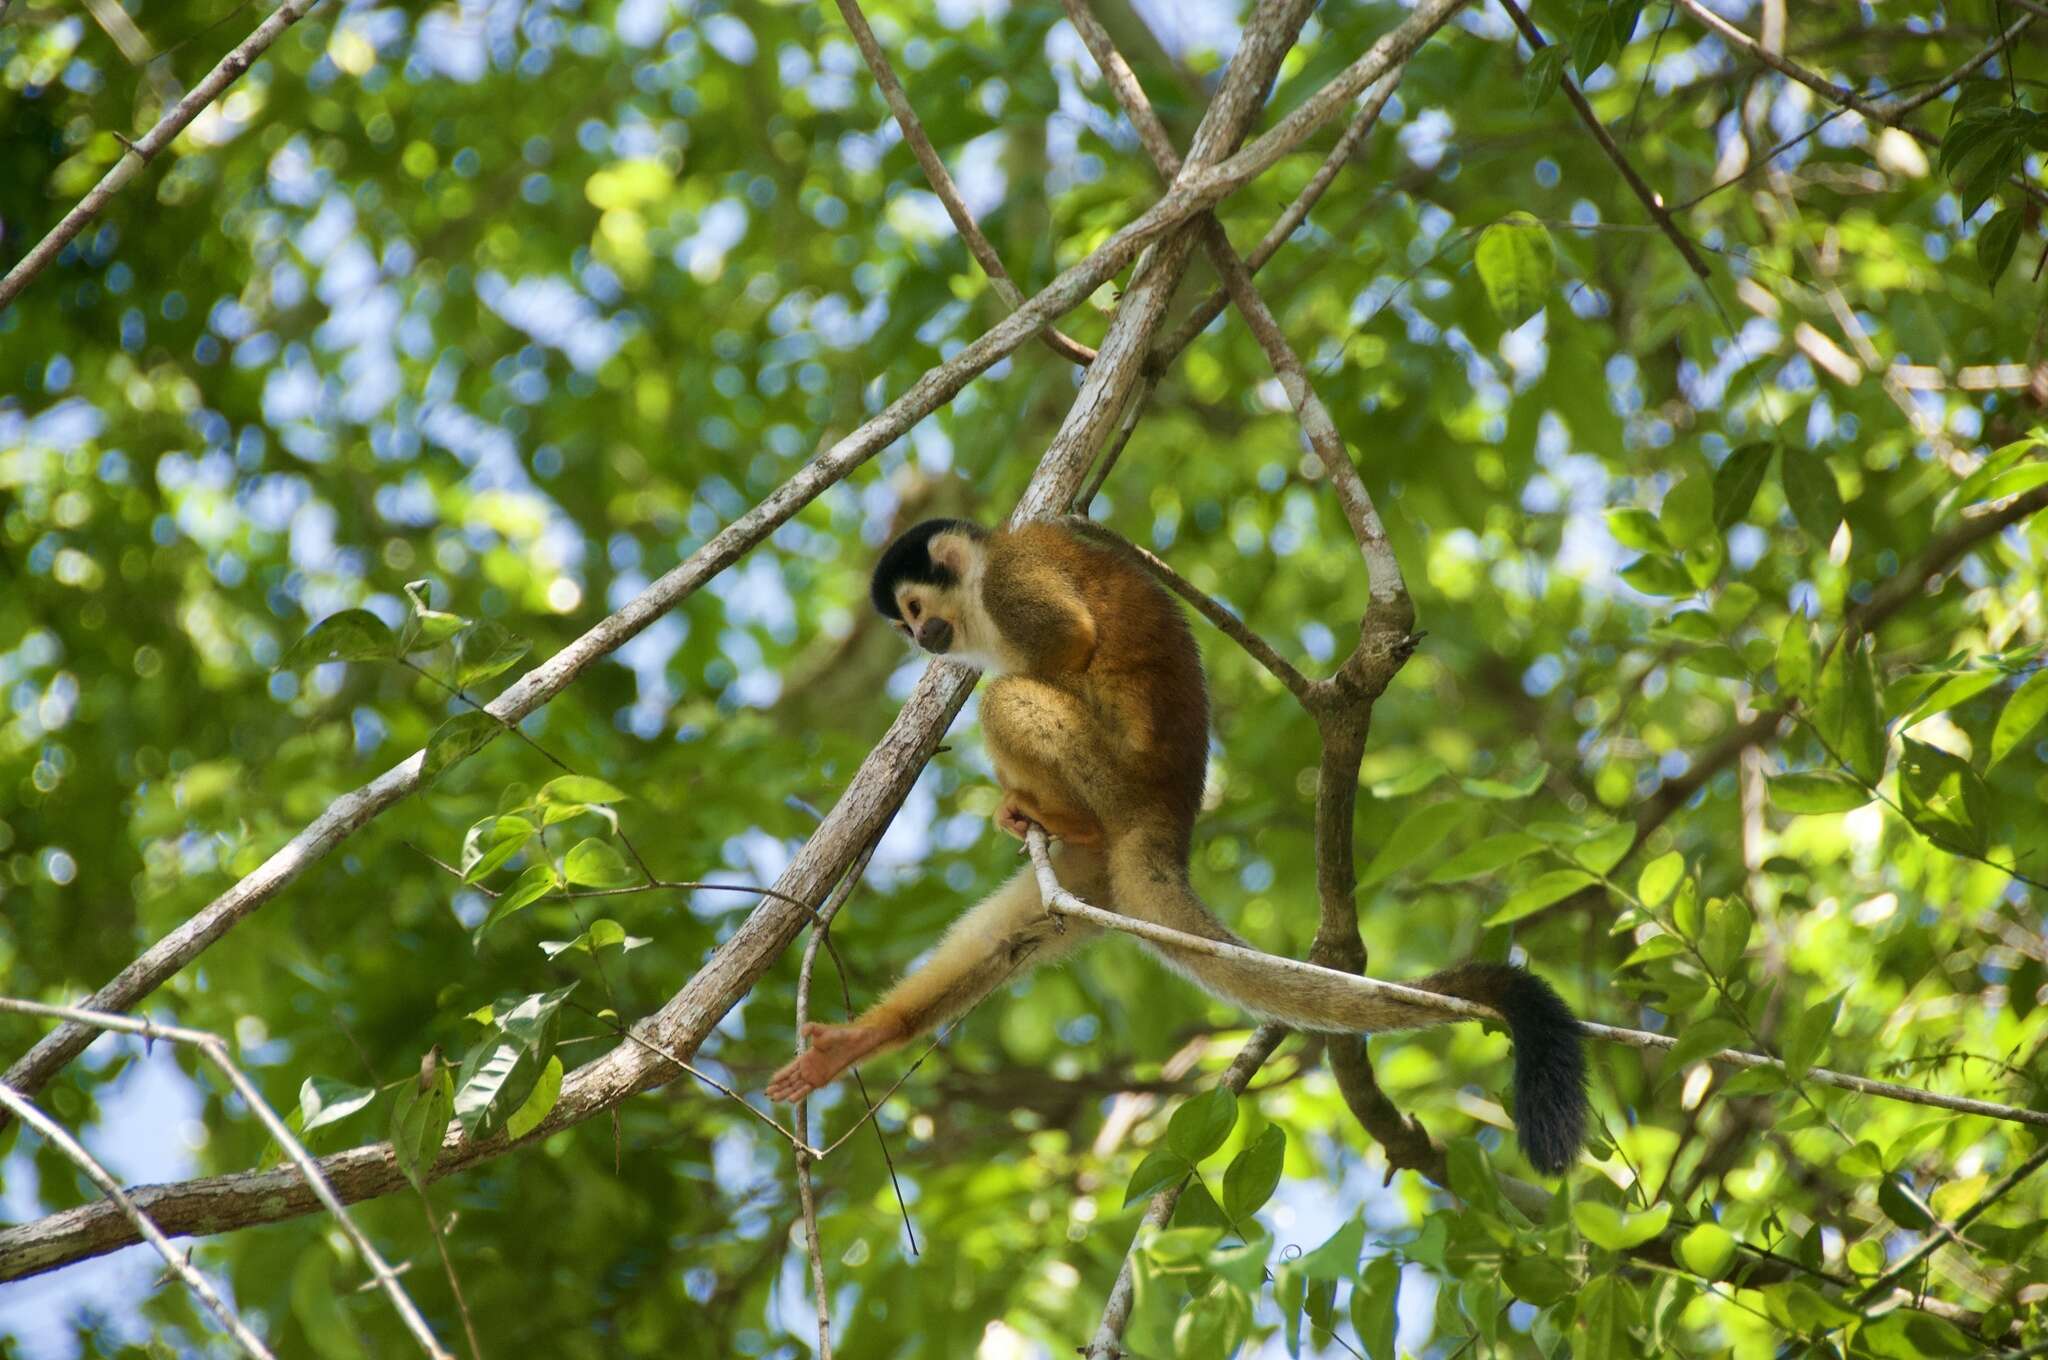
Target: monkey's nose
935,636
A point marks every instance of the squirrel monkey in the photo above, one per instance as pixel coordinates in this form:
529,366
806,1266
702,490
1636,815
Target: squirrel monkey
1097,724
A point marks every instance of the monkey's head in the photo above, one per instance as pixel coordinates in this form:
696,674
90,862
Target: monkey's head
924,583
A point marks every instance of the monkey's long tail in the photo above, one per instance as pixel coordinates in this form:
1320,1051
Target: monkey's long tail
1148,879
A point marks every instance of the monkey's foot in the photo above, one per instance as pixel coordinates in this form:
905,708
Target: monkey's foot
1018,820
833,1049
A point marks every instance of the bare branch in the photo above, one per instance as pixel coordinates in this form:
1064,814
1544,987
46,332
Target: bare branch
941,180
1229,624
216,1052
1967,69
55,1134
140,152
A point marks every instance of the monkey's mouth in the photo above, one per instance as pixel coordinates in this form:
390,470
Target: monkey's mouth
935,636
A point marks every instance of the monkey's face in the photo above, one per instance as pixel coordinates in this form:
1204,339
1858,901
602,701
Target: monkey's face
925,585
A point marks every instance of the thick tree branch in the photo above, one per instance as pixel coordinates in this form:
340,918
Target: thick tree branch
139,153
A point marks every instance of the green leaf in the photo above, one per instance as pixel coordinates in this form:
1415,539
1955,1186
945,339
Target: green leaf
1996,242
1704,1039
1472,1177
1177,1246
1244,1265
456,740
1414,779
595,864
1707,1251
1517,263
1603,850
2020,716
2015,481
1956,688
1253,1173
1537,1279
1899,1208
1540,893
1419,833
1609,1228
1211,1327
1944,798
1687,514
419,1121
1908,1334
1592,41
1687,625
323,1101
1795,658
1660,878
1546,69
1337,1258
1655,575
1845,712
546,1091
1488,856
426,627
1806,1038
485,649
537,882
1637,529
1736,482
351,635
1373,1306
1201,1123
1811,492
1817,791
1508,790
1727,934
491,842
580,788
1159,1168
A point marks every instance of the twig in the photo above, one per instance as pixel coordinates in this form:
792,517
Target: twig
942,183
55,1134
1969,68
144,149
216,1052
1652,204
1229,624
1284,971
1927,1245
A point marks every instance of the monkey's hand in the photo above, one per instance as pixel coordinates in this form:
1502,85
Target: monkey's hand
1016,819
833,1049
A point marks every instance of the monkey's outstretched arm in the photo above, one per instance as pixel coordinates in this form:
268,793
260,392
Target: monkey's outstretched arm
1006,935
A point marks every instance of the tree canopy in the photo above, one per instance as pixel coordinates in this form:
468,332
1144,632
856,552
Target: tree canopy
424,372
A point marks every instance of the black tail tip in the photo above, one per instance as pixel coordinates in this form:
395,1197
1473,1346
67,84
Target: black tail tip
1550,1071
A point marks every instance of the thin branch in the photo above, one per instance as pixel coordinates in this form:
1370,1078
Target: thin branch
140,152
55,1134
216,1052
1283,972
942,182
1969,68
2006,1183
1229,624
1652,204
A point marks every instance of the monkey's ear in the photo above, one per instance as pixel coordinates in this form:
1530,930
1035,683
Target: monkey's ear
951,551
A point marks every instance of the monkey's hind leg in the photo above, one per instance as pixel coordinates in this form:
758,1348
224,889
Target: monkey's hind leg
1006,935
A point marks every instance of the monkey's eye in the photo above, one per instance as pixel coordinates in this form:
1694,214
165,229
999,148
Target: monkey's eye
912,608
